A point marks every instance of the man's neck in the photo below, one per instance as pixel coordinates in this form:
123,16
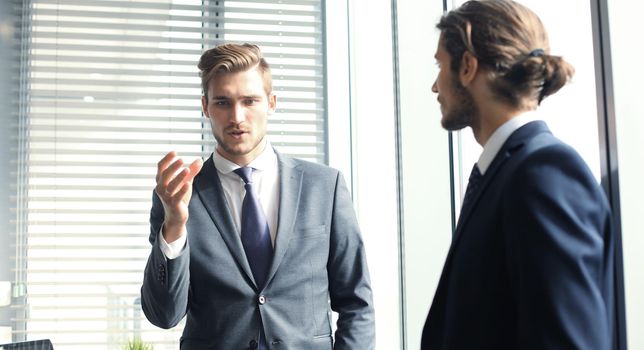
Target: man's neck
492,114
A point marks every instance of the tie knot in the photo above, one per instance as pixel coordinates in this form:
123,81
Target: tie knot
245,173
475,175
472,184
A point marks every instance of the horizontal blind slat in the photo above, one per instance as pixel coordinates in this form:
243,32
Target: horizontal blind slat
160,16
156,27
124,4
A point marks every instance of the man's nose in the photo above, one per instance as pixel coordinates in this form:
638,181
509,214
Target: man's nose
238,113
434,87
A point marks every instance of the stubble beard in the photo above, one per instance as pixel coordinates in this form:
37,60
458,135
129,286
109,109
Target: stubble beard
464,112
233,150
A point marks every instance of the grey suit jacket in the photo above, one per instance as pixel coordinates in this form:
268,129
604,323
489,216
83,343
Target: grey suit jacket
319,265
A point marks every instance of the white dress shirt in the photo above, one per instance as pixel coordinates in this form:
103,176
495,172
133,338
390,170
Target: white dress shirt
265,182
499,136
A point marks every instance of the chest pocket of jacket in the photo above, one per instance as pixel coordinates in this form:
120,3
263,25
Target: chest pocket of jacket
308,250
309,232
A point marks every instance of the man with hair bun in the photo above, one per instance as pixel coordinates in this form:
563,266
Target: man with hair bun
531,261
254,248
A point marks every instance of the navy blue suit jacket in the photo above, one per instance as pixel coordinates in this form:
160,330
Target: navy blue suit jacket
531,262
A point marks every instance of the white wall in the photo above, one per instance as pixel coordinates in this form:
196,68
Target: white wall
627,53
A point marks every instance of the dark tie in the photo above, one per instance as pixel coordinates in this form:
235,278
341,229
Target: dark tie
256,239
255,234
472,186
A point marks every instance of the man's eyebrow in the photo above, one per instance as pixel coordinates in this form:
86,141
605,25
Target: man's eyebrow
243,97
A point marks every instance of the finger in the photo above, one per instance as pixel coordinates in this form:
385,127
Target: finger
183,191
163,163
185,176
195,168
166,176
171,172
178,181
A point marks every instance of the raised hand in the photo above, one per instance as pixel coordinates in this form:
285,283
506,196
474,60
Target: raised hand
174,188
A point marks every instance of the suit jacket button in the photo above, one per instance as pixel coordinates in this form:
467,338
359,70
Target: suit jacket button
253,344
262,300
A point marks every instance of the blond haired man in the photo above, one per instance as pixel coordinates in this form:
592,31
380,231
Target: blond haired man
254,247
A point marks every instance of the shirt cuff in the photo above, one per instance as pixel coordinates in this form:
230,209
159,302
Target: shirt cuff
174,249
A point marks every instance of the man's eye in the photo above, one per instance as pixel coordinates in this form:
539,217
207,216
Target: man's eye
221,103
250,102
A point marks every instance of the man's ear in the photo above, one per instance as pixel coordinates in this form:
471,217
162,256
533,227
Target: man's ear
272,103
469,68
204,106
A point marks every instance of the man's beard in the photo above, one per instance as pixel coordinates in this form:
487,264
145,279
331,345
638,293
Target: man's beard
463,112
232,150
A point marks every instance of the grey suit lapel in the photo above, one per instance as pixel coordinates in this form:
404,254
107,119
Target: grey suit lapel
290,179
208,187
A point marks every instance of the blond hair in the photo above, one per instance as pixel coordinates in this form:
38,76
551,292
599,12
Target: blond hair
233,58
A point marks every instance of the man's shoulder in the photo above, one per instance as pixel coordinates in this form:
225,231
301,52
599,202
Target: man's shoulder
550,149
549,163
309,167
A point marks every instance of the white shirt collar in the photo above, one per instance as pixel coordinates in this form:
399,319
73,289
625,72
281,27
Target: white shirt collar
264,161
500,135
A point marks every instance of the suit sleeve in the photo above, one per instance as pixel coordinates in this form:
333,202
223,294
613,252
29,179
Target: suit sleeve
559,252
349,285
164,294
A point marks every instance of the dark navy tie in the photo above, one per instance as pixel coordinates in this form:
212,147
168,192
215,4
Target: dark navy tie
472,185
256,239
255,234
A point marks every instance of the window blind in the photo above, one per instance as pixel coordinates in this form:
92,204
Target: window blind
108,87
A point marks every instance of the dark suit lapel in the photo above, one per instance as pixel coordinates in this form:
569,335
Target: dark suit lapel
515,142
290,179
208,187
467,211
437,310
